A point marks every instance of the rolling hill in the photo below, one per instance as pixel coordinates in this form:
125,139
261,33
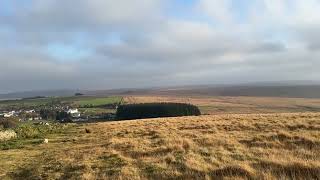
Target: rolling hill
270,89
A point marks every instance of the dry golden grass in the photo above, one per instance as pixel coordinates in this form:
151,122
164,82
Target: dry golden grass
7,135
257,146
237,105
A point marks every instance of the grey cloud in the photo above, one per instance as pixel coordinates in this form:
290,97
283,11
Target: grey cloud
152,49
52,15
268,48
187,51
195,41
309,36
40,22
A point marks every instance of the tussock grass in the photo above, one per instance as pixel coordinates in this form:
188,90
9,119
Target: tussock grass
256,146
7,135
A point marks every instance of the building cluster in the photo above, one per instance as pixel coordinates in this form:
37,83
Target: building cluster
31,114
23,115
74,113
8,114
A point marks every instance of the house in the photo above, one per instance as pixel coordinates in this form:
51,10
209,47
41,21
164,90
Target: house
9,114
30,111
37,118
74,113
34,118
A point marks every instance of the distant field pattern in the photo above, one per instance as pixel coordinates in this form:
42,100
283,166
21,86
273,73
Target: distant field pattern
237,105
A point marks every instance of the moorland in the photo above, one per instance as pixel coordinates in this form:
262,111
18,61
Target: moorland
235,137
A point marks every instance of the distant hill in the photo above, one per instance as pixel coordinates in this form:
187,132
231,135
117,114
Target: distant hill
260,90
30,94
293,90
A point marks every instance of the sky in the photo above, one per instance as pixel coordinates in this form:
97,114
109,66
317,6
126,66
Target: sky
108,44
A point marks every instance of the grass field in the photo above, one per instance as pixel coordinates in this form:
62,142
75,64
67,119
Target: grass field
95,111
98,101
28,102
75,100
237,105
256,146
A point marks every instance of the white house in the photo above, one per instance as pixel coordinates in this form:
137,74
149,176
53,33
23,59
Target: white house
31,111
74,113
9,114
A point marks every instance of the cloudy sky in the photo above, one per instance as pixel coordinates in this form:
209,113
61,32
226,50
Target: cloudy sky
106,44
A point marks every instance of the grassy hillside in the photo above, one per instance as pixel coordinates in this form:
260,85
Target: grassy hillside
253,146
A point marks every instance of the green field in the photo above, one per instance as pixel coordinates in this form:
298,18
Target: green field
95,111
75,100
28,102
98,101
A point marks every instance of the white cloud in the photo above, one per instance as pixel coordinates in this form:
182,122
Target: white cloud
218,10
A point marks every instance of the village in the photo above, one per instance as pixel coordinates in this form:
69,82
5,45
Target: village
55,110
34,115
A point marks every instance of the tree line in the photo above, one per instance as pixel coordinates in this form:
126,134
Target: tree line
54,115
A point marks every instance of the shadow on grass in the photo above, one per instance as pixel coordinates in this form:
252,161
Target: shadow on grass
19,143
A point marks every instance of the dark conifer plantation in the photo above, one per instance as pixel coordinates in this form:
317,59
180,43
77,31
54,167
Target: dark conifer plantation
154,110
